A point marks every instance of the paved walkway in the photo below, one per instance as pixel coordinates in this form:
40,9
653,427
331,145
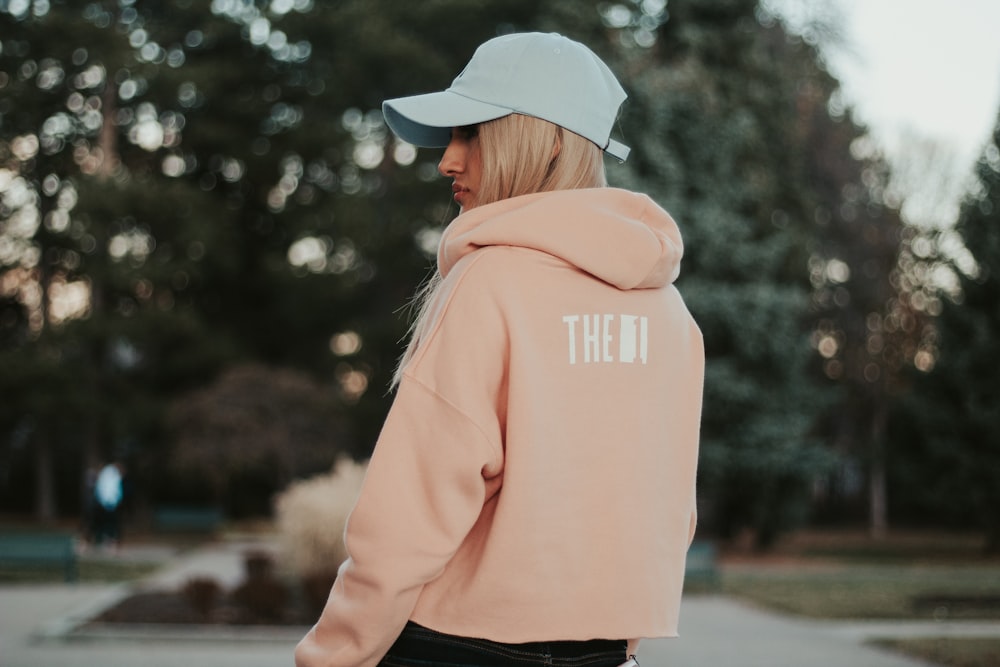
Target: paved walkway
39,628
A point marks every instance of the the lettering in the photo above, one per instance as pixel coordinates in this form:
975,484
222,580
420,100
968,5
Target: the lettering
593,337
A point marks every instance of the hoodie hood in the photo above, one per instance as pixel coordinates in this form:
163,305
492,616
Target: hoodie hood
621,237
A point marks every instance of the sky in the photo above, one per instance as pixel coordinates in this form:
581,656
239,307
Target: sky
924,65
924,77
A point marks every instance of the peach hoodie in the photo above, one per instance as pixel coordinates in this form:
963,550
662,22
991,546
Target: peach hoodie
535,476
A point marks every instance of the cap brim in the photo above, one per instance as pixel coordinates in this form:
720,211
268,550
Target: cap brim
426,120
617,150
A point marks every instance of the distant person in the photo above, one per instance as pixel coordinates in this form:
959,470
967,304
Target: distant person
88,502
109,492
531,497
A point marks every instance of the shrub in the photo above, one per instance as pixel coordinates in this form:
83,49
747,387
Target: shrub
311,515
202,594
258,564
250,433
261,595
262,600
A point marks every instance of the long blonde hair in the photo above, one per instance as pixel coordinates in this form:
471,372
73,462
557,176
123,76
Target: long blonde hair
520,155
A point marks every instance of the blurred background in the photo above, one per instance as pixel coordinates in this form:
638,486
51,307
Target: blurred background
208,241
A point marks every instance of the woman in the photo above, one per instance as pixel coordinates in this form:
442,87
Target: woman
530,499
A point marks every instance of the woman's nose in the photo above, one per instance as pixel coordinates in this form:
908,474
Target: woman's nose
453,160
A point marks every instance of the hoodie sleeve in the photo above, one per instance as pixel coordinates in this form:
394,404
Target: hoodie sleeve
437,461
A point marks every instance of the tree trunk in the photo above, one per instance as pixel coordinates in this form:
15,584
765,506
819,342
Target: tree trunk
877,492
45,488
108,138
991,546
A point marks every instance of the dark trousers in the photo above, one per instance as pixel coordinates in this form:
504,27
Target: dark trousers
107,524
418,646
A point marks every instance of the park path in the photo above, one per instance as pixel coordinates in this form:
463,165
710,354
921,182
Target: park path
39,627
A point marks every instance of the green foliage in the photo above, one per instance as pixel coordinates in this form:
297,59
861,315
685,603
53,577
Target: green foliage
218,182
254,427
200,176
950,431
714,118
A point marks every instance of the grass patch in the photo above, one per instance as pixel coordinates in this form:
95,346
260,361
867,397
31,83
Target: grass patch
949,652
90,571
901,551
867,592
847,574
845,579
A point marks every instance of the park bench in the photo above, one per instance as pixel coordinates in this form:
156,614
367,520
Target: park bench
187,519
701,567
47,550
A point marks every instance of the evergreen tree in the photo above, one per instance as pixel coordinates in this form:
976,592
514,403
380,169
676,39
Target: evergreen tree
871,301
82,218
871,311
715,117
220,183
213,185
951,432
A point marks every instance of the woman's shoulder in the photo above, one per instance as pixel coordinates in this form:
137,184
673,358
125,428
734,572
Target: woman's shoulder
493,275
487,262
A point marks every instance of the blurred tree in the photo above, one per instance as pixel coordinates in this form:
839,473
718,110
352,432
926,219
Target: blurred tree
720,106
873,307
231,440
873,292
187,188
101,271
746,135
950,433
874,310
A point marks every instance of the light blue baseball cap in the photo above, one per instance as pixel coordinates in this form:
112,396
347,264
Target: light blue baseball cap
545,75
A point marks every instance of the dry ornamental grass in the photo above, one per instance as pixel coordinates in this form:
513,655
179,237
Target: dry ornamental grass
311,516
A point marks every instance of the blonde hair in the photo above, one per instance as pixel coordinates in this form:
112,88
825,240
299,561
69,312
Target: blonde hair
520,155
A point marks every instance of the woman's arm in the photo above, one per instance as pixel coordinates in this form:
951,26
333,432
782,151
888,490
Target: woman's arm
437,461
